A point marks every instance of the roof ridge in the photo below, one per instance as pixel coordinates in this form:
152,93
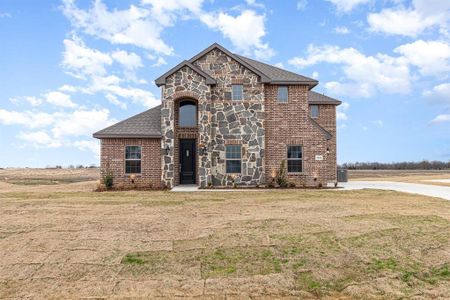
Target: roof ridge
273,66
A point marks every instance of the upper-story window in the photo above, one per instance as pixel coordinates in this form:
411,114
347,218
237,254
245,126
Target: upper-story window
236,92
132,159
187,114
282,94
314,111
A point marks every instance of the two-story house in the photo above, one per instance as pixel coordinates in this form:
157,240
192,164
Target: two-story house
225,119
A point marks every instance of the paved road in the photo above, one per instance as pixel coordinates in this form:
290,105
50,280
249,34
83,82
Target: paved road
413,188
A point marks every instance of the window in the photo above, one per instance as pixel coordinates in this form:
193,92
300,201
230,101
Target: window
294,159
187,114
314,111
233,155
132,159
282,94
236,92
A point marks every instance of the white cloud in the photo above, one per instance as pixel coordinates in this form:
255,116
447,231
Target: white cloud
5,15
81,61
61,124
132,26
31,100
439,94
365,75
245,31
341,30
378,123
59,99
315,75
111,85
254,3
129,61
301,4
88,145
30,119
431,57
160,62
68,88
346,6
113,99
341,116
441,119
39,139
81,122
341,113
411,21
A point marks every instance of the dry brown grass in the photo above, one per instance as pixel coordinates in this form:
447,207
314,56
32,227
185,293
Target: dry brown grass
64,241
412,176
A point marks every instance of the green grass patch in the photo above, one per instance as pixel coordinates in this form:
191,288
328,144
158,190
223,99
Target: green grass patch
133,259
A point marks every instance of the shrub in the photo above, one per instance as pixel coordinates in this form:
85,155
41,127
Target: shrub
281,175
108,179
292,184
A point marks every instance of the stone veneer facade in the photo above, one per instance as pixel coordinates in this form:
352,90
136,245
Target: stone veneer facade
221,121
259,123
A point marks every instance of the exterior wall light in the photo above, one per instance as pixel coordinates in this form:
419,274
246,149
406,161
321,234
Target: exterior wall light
132,177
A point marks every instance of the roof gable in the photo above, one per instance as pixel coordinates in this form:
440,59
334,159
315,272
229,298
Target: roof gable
263,77
144,125
267,73
162,79
316,98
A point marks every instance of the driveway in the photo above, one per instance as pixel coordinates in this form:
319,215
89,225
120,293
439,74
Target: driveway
413,188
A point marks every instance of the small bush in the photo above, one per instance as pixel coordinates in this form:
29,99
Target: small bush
292,184
281,175
108,180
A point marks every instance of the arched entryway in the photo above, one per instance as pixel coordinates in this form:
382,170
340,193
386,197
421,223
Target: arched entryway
187,132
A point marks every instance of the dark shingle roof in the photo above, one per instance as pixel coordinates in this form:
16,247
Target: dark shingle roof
316,98
278,75
144,125
267,73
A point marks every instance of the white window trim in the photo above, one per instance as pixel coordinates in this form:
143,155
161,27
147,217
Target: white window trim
288,159
318,111
131,159
287,93
232,94
227,159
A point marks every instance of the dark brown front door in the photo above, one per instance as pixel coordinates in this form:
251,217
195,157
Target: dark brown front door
187,161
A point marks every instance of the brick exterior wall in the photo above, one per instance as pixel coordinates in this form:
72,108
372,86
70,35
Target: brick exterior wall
289,124
263,126
112,157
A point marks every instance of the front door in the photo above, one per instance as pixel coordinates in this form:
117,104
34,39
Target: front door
187,161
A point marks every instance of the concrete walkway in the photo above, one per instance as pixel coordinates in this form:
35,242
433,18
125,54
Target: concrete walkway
413,188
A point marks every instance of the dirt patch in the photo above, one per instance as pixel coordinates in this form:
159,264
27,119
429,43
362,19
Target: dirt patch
431,177
60,243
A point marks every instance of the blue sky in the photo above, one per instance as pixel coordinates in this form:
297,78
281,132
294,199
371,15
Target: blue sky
69,68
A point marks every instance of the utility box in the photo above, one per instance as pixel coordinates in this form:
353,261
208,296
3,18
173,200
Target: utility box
342,175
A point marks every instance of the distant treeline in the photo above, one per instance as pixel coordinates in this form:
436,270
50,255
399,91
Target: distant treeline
407,165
